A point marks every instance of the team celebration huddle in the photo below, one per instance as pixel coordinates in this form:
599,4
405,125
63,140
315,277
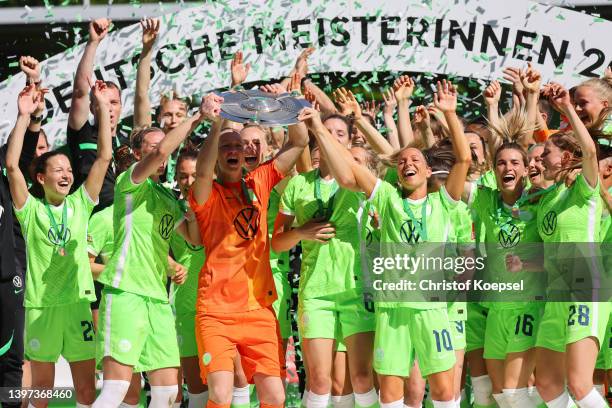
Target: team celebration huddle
168,254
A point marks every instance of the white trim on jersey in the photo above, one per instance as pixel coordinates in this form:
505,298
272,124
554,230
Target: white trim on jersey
107,323
126,242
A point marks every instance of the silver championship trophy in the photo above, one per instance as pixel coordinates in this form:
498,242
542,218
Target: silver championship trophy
265,109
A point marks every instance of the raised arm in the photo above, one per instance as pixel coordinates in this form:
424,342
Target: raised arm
95,178
559,97
422,121
337,157
31,68
446,100
388,111
513,75
79,108
375,139
492,95
291,151
403,88
239,69
297,140
207,157
151,162
142,103
531,83
26,103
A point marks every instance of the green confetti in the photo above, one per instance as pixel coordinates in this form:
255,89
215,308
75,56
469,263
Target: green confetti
13,64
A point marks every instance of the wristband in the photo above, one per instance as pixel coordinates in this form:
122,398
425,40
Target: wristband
36,119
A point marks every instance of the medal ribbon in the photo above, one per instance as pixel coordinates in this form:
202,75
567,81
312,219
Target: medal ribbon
422,226
325,212
54,225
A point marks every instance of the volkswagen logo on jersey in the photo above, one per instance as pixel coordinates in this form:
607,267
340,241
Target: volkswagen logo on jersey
166,226
17,282
247,222
509,235
410,233
64,235
549,223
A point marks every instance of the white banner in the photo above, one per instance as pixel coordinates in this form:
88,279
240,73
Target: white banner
472,38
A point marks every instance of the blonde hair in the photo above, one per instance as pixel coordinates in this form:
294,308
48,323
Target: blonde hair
512,127
601,86
172,96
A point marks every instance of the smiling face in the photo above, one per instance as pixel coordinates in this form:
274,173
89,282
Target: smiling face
315,157
57,177
185,175
510,170
412,169
254,144
171,114
588,104
536,166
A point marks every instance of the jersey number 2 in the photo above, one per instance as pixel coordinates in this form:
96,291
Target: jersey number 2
88,330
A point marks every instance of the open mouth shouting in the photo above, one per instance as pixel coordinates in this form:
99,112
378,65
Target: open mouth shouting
250,160
508,179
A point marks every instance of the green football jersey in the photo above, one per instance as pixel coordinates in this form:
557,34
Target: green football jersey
571,214
606,222
279,262
333,267
398,228
53,279
144,218
183,297
508,234
100,234
461,234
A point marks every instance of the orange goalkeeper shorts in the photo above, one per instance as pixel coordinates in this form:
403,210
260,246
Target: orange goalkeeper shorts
255,335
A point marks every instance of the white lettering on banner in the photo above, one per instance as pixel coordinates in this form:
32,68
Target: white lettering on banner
475,38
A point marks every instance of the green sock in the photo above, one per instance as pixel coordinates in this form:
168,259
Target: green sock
253,396
428,403
493,405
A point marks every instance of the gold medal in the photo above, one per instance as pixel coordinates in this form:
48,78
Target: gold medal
61,251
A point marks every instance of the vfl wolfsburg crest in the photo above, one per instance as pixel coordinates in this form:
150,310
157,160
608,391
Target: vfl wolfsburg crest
549,223
509,235
410,232
247,222
166,226
63,236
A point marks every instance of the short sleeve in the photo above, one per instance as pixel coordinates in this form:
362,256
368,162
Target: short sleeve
265,177
381,195
24,214
449,202
125,184
95,239
81,195
583,189
287,201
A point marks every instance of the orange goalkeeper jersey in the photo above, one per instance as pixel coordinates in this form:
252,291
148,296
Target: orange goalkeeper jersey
236,276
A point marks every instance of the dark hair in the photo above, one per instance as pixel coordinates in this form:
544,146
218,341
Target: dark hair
347,121
40,167
188,152
545,107
124,158
512,146
138,134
